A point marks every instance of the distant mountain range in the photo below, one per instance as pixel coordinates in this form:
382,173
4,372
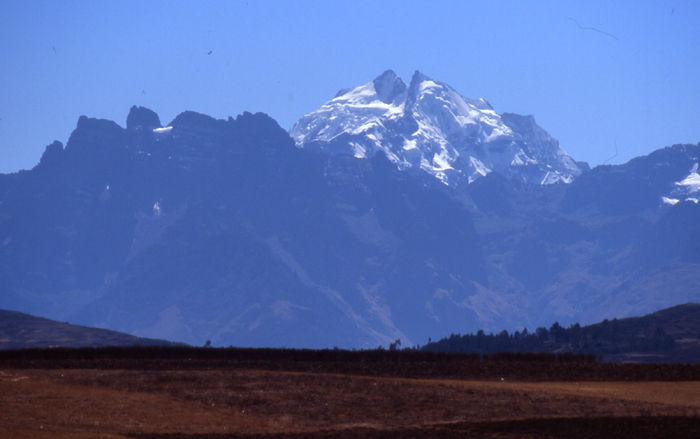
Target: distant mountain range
226,230
21,331
671,335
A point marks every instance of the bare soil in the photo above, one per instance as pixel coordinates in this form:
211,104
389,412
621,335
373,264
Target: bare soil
232,401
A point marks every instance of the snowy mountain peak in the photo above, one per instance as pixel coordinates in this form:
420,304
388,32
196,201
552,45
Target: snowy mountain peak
422,85
388,87
428,125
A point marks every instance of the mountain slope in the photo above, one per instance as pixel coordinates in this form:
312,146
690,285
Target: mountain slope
605,246
224,230
427,125
671,335
20,331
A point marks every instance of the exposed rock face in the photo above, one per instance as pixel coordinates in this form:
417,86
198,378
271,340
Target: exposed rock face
141,117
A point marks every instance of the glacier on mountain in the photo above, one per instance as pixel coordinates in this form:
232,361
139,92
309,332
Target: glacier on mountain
688,189
427,125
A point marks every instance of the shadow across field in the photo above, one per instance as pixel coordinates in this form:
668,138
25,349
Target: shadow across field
671,427
406,363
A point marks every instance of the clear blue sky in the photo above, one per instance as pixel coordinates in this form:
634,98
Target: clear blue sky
633,80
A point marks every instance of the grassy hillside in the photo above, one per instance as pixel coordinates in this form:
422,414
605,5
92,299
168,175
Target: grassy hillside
19,331
671,335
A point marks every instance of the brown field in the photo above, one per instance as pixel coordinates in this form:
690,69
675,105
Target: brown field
231,399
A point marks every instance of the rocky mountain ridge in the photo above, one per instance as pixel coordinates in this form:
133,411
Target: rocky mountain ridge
225,230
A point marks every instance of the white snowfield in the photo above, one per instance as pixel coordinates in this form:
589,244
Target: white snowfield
429,126
687,189
162,133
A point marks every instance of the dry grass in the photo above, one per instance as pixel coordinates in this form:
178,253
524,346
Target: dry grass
234,403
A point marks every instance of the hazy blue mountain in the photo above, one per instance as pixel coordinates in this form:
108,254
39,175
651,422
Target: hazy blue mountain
610,244
225,230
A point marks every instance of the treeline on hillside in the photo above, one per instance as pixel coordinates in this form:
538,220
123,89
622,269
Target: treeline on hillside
602,338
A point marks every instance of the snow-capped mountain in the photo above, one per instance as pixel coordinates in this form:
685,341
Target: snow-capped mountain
427,125
224,230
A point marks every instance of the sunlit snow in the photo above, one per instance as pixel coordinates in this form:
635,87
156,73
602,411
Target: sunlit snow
691,183
522,159
441,161
480,170
360,152
685,189
162,133
409,144
431,126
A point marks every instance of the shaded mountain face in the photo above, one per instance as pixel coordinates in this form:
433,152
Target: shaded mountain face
223,230
608,245
22,331
428,126
612,245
